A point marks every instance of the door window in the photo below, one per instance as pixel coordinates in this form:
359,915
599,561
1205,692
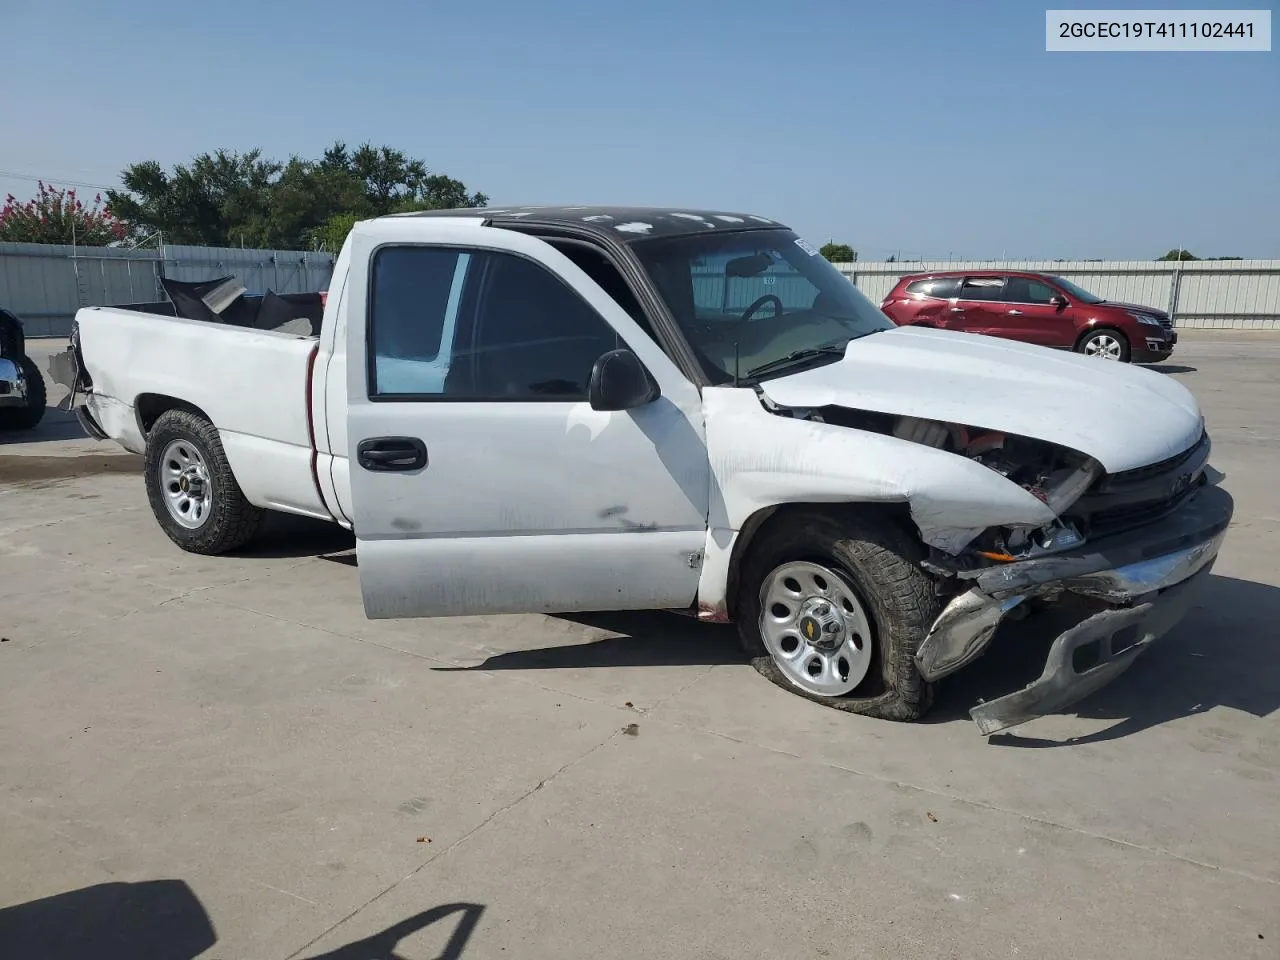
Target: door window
413,311
982,288
480,325
1026,290
944,288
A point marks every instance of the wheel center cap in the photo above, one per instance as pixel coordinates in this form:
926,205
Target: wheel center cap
821,624
191,483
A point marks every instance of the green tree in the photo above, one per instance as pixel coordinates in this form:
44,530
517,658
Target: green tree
839,252
211,200
233,199
1177,253
330,235
58,216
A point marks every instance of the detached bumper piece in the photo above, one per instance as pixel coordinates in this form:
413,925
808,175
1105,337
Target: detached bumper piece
1117,638
66,368
13,386
1147,579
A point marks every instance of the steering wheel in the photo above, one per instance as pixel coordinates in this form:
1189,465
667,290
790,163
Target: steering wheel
759,302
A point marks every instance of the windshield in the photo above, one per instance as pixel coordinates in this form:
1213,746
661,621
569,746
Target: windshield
758,302
1076,292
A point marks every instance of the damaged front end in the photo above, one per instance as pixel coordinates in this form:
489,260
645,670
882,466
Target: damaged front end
1120,561
1131,588
1055,476
1126,553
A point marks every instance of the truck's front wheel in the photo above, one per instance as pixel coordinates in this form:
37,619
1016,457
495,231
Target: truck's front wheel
193,493
834,609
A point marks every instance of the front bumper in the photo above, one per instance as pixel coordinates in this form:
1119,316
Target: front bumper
1144,581
13,385
1154,347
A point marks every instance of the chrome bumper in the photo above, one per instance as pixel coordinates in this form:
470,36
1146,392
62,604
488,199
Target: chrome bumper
1146,580
13,385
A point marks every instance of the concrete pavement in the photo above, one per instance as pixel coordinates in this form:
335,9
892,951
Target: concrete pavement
237,764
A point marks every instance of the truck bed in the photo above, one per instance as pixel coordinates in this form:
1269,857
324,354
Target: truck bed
253,385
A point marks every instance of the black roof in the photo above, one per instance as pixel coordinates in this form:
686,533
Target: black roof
623,223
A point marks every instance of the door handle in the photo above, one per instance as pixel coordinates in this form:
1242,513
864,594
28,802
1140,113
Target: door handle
391,453
1015,313
957,309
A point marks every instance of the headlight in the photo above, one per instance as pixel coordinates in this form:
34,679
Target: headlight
1149,320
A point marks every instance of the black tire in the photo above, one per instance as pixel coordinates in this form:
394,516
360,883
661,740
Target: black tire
231,521
881,562
28,417
1116,335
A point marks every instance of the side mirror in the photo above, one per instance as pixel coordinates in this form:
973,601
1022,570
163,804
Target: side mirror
619,381
1059,301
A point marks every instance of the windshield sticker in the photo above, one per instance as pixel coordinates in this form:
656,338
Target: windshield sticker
806,247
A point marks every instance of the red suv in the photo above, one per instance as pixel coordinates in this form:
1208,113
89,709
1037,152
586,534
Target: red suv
1034,308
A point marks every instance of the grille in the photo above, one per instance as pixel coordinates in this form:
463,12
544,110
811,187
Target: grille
1121,501
1154,470
1118,519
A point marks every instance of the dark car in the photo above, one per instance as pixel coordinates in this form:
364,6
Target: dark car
22,388
1034,308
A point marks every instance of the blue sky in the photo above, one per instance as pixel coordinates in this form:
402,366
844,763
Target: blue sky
930,128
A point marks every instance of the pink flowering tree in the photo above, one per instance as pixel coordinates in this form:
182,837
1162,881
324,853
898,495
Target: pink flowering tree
58,216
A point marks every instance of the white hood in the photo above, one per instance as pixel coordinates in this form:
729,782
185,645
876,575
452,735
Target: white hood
1123,416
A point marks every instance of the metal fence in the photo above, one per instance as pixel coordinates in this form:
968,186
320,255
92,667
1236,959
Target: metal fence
1221,294
45,284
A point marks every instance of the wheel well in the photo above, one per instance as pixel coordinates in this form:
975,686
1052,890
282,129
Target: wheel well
1100,327
764,521
150,406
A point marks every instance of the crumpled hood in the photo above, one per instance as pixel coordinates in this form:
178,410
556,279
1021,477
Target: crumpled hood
1123,416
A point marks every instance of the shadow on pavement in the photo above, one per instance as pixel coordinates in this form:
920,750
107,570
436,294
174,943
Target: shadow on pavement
155,920
647,638
165,920
1221,655
382,946
284,535
1171,368
56,425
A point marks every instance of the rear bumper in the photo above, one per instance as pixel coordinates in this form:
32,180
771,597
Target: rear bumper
65,369
13,385
1143,581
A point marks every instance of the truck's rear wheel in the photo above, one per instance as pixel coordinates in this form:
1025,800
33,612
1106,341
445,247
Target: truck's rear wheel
193,493
27,417
834,609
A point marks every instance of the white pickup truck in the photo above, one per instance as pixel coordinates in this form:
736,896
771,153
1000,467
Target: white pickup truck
584,408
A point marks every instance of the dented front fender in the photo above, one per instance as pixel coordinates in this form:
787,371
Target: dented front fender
760,460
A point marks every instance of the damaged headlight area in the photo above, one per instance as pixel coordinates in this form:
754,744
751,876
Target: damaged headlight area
1055,475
